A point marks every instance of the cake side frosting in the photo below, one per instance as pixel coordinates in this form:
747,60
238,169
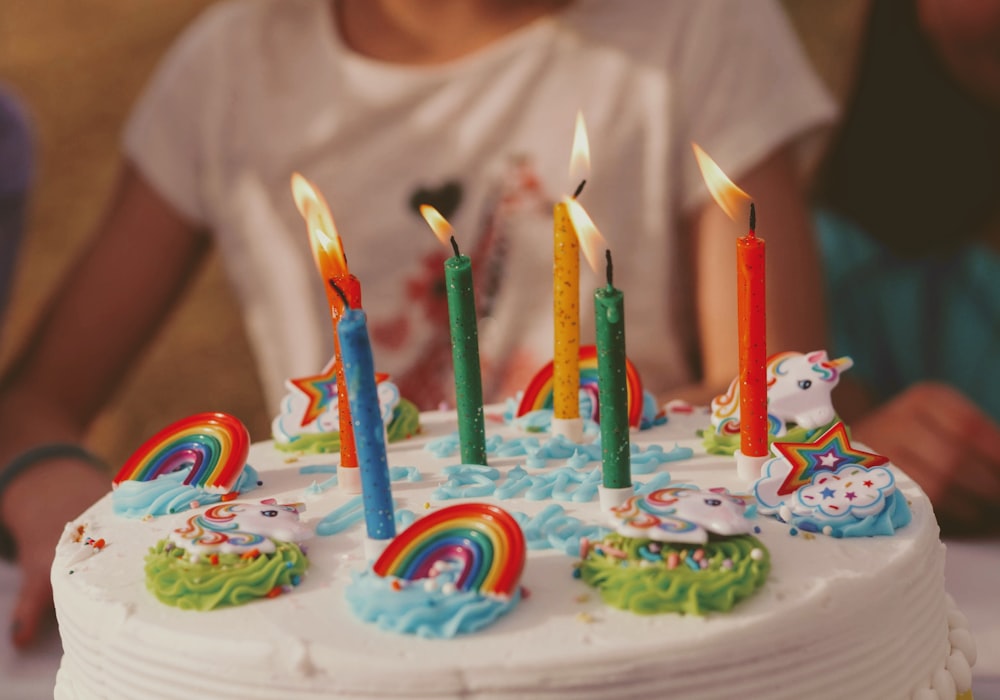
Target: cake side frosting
866,617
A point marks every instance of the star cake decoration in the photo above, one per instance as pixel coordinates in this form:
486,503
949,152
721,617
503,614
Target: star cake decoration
830,452
321,390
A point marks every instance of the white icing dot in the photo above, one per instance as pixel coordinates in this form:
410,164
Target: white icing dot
756,554
959,669
448,588
827,530
430,584
944,684
961,639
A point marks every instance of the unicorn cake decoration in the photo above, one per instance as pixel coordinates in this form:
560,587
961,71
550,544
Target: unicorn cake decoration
678,549
229,554
799,402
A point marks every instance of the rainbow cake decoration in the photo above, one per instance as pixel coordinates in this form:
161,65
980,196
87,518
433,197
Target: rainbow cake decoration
799,404
678,549
831,487
454,571
198,460
538,395
228,555
308,420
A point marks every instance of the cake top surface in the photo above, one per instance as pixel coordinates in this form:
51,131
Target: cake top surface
560,634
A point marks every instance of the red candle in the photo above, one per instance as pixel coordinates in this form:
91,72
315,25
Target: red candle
751,324
332,264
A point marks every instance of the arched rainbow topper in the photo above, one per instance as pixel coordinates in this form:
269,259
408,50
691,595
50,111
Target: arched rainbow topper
214,445
538,394
485,539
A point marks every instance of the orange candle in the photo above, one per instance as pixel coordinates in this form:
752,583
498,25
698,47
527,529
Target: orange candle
751,320
332,264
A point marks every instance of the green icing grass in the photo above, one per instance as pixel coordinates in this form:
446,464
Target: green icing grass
727,444
175,580
648,587
405,423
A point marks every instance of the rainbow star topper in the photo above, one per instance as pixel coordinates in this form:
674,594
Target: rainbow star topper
831,485
320,390
829,452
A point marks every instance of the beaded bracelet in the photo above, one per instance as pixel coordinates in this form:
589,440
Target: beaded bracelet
28,459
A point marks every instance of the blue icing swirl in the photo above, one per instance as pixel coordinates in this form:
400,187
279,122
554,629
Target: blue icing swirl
553,529
167,494
415,610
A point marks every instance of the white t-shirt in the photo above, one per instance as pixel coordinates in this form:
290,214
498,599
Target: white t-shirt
257,89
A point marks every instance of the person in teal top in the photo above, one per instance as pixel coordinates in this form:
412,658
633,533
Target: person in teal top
905,321
908,223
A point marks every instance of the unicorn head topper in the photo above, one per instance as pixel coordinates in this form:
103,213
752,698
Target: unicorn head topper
242,527
798,393
681,514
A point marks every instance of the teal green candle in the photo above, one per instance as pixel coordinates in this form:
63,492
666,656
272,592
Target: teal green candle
612,384
465,356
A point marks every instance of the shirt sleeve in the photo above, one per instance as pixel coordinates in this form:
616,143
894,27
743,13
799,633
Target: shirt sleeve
745,89
170,128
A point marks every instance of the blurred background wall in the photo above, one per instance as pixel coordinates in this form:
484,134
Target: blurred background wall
78,66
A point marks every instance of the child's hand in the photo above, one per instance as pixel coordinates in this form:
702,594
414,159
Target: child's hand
35,508
947,445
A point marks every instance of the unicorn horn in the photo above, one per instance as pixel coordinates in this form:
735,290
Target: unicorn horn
841,363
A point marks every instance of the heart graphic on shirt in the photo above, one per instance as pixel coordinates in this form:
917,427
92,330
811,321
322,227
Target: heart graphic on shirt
445,198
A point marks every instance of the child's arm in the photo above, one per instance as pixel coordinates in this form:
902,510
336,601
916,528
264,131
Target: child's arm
111,302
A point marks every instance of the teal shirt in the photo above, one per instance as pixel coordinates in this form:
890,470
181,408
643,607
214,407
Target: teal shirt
903,321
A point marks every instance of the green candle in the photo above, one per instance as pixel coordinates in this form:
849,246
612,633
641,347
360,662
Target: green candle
612,384
465,356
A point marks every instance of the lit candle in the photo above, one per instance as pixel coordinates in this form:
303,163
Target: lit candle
566,301
332,264
369,430
612,381
612,384
464,342
751,326
751,319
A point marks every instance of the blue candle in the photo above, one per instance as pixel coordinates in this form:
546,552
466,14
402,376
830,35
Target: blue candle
369,433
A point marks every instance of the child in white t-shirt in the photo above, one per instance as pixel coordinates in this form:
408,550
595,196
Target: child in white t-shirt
467,105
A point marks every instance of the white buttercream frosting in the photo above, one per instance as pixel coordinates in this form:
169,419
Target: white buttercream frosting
838,618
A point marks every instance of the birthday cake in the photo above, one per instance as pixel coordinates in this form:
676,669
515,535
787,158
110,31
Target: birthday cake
506,580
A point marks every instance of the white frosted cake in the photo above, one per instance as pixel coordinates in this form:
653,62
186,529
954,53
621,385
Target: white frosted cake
835,617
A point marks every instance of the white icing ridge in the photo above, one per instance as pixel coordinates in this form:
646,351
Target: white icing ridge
838,618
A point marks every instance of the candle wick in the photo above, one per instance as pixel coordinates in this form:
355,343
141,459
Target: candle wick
454,246
579,189
610,267
340,293
753,218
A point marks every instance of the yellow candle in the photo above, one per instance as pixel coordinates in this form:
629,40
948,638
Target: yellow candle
566,295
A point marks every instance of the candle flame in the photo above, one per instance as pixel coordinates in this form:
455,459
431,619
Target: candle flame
439,225
579,162
592,243
726,194
328,252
